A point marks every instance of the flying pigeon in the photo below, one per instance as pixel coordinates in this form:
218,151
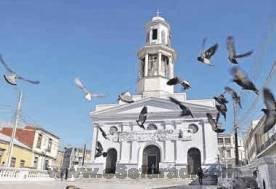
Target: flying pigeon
103,133
242,80
126,97
176,80
99,150
234,95
206,55
270,110
185,110
221,99
11,77
232,56
142,117
87,94
222,109
214,124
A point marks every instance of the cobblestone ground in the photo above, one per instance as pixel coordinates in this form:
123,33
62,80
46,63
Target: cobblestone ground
105,184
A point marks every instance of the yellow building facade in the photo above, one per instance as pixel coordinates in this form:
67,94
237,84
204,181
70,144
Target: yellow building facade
22,155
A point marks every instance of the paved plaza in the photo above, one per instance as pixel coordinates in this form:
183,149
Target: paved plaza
105,184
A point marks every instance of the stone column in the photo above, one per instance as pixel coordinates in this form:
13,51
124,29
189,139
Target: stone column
159,63
171,67
126,146
146,65
203,140
169,146
94,140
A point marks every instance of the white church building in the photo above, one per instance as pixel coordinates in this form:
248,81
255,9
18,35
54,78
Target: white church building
169,140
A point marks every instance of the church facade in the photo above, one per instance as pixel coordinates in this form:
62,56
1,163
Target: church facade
169,140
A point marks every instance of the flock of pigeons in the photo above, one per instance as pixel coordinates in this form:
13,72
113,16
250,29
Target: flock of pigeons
239,77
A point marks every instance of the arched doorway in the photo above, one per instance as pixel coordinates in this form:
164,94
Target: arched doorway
111,160
194,160
151,159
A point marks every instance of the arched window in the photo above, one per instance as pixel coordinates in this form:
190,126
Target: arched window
152,127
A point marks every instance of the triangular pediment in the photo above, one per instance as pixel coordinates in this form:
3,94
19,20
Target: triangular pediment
156,106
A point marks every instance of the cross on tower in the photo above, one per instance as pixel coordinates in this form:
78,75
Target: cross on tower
157,12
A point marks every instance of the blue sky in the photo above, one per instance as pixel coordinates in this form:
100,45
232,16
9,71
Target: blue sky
55,41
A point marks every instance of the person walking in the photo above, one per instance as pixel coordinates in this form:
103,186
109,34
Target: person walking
200,175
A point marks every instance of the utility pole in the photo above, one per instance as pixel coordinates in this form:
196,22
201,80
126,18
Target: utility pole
17,112
236,134
83,155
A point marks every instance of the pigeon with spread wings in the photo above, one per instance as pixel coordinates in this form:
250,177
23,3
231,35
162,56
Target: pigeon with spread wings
206,55
214,124
185,110
221,99
103,133
11,77
99,150
176,80
142,117
270,111
232,56
221,105
234,95
87,94
242,80
126,97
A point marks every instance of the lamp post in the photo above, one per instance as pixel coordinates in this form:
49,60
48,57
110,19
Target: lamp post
236,134
17,112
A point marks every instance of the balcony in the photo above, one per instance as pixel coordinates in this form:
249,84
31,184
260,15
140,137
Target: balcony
264,147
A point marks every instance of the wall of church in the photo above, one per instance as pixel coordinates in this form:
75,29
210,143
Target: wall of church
172,152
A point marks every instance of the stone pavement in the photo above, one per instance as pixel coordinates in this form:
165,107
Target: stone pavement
105,184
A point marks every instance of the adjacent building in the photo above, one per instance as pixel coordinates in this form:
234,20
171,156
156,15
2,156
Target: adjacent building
226,145
259,144
43,144
260,151
22,155
75,158
169,139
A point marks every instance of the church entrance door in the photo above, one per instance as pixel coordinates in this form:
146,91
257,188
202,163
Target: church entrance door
151,160
111,160
194,160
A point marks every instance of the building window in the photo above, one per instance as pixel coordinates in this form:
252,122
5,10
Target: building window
50,143
46,164
35,162
227,141
193,128
220,140
154,34
22,163
38,144
13,162
142,68
165,71
228,153
152,64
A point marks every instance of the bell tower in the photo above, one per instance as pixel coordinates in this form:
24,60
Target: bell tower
156,59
